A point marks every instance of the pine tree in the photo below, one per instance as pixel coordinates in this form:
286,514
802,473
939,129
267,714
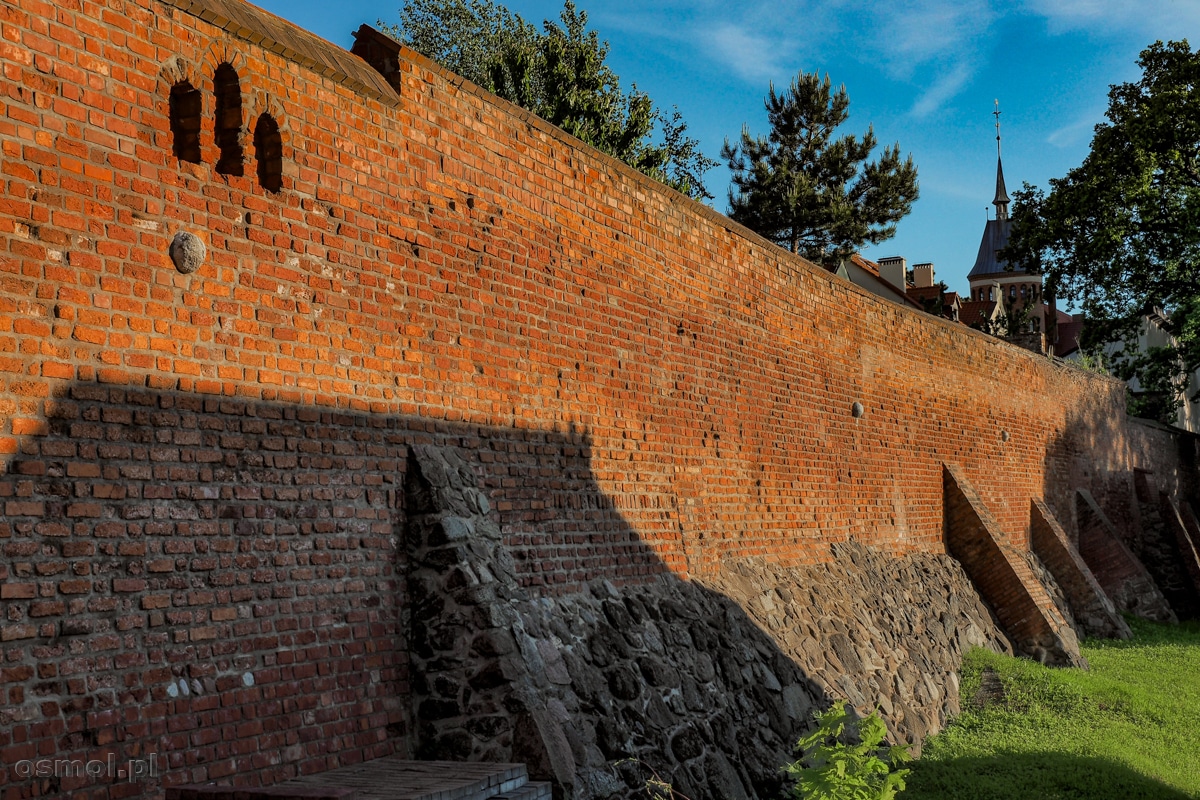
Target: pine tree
809,192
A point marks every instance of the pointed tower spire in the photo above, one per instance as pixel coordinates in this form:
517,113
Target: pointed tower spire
1001,200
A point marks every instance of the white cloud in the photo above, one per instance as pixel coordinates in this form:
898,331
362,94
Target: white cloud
937,45
1165,19
943,89
934,44
749,54
1076,133
909,35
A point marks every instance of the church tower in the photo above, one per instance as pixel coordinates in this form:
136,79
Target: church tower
991,279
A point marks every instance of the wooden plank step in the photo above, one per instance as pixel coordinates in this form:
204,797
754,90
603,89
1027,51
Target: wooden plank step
534,790
399,779
388,779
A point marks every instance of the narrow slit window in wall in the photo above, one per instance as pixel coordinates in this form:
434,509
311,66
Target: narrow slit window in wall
228,128
186,106
268,152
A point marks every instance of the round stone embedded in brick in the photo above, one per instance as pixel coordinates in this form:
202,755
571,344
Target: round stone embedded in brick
188,252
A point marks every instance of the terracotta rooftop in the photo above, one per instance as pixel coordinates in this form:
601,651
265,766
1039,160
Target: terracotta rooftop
870,266
924,293
975,312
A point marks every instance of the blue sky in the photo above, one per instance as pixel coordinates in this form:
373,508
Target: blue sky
924,73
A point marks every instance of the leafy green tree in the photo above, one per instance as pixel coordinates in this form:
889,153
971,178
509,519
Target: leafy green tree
558,73
812,193
1120,234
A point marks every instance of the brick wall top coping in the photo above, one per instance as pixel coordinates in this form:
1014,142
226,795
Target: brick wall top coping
262,28
294,43
1158,426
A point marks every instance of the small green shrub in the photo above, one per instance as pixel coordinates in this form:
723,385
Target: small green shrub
1093,362
830,768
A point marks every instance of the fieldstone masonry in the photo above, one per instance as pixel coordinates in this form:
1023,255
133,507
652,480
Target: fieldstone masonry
1190,524
1160,549
709,684
1189,558
880,631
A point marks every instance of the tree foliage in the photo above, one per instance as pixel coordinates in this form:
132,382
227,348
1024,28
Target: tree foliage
810,192
1011,320
935,305
1120,234
560,74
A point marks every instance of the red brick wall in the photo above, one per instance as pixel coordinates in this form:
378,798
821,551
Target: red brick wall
1168,457
200,469
451,259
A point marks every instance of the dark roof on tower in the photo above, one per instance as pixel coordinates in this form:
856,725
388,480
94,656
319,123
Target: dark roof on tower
995,237
1001,192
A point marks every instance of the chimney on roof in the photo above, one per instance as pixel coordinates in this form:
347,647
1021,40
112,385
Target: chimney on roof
923,275
892,269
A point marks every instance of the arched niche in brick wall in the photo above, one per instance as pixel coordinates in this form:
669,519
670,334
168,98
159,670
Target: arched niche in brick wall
181,90
268,153
227,127
186,110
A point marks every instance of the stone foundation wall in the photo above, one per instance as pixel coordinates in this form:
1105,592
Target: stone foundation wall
1005,575
1124,578
707,684
880,631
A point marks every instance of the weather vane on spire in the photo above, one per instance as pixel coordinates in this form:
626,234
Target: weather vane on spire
996,114
1001,201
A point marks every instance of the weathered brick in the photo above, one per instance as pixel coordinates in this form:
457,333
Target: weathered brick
14,591
84,510
9,633
128,585
47,608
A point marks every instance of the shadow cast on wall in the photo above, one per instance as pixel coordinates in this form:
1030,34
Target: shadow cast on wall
225,583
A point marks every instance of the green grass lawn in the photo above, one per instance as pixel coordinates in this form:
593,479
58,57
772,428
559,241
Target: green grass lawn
1127,728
